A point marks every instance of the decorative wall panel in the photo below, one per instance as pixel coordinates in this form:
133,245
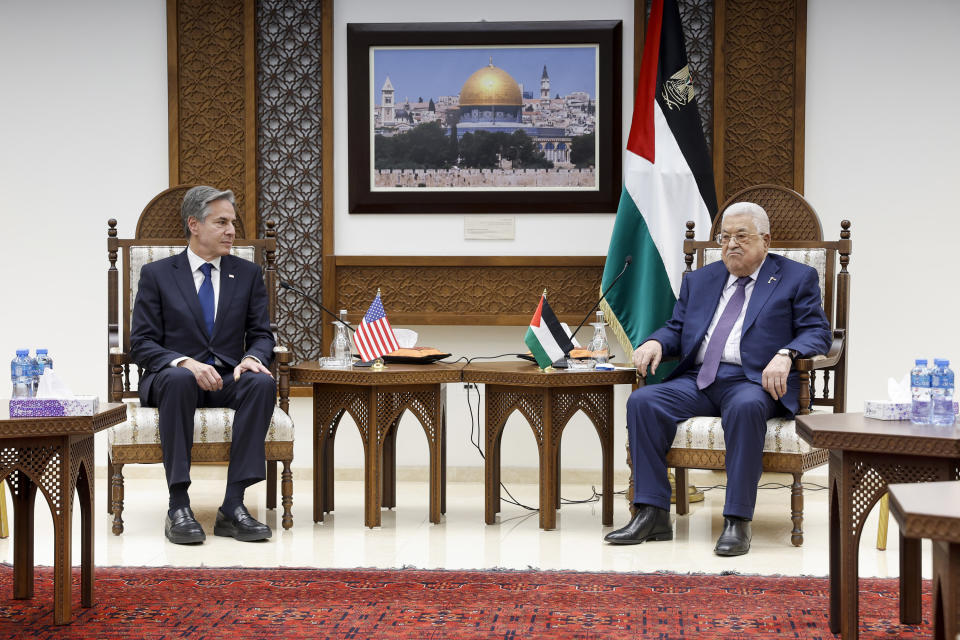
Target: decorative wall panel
289,145
210,97
760,83
476,290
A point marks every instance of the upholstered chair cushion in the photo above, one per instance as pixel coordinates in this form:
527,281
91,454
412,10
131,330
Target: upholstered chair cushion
706,432
816,258
209,425
140,256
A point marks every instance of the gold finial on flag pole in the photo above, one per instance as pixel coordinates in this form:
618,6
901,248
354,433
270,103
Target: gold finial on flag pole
544,292
378,290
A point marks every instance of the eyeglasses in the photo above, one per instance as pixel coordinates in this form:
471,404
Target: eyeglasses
741,238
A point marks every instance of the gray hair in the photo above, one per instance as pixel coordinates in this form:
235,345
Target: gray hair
196,204
755,212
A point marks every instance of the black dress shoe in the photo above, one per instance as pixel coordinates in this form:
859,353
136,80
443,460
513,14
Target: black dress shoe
240,525
735,538
650,523
181,527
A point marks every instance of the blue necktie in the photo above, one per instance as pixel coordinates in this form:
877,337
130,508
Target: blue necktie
205,293
711,359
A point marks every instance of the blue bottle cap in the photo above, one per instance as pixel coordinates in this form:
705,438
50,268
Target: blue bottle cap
22,352
43,351
941,362
920,361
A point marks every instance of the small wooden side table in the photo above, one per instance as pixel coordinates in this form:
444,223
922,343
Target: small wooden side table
56,456
866,455
376,400
932,510
547,400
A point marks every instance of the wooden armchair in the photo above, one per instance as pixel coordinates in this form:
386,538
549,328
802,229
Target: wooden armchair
795,233
159,234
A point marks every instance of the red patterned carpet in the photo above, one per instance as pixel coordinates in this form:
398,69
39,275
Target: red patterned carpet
195,604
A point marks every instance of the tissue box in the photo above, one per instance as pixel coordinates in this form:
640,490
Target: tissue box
886,410
54,407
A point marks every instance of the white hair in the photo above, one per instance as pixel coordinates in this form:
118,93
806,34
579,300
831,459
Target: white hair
751,209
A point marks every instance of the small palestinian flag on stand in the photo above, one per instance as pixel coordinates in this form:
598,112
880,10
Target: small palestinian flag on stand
546,338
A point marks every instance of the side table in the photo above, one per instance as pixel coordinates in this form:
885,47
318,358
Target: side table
376,400
56,456
932,510
547,400
866,455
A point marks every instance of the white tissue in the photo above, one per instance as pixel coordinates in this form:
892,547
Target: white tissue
406,338
899,391
51,386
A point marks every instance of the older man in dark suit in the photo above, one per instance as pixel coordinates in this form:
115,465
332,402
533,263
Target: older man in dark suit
737,326
201,334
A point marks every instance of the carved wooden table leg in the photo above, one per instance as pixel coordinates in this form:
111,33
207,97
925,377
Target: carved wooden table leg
443,448
320,429
84,484
946,589
911,603
548,461
24,494
492,428
606,450
435,442
62,528
373,453
389,466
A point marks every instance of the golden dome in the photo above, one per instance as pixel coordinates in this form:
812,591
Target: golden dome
490,86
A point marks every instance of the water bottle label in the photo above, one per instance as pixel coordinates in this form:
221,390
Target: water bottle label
920,380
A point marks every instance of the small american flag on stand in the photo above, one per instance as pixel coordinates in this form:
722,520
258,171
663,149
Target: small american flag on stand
374,335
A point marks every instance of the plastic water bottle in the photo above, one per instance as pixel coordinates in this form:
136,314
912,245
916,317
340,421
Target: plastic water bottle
21,375
941,385
920,390
340,347
44,360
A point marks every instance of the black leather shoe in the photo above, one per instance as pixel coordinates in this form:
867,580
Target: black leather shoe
735,539
182,527
240,525
650,523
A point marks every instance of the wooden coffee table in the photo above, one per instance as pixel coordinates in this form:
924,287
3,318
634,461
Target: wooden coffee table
376,400
866,455
547,400
932,510
56,455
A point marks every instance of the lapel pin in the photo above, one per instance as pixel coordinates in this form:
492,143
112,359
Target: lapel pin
772,279
229,275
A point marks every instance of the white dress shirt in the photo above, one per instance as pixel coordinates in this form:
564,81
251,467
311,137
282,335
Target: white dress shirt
731,350
195,263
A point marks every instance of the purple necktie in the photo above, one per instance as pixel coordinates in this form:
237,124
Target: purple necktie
711,359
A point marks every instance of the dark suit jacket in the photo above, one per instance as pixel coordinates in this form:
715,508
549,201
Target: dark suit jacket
168,323
784,312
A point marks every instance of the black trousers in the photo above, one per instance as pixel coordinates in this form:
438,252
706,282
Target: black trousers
175,393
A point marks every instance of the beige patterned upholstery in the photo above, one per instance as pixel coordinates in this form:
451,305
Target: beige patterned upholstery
141,255
706,432
209,425
816,258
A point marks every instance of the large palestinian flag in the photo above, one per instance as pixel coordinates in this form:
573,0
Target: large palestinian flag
667,180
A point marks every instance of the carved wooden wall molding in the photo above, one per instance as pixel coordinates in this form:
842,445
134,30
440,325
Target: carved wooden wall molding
468,290
759,93
212,97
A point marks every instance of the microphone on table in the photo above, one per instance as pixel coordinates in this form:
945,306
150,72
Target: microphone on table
626,263
309,298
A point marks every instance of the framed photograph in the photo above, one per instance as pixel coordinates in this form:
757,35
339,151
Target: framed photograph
484,117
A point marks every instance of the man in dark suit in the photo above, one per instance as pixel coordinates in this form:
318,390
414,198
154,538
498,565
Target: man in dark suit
200,333
736,327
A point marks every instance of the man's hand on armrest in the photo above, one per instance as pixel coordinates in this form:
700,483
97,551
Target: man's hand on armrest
649,353
774,377
207,377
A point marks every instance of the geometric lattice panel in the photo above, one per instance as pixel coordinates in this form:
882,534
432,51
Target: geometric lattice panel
289,150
